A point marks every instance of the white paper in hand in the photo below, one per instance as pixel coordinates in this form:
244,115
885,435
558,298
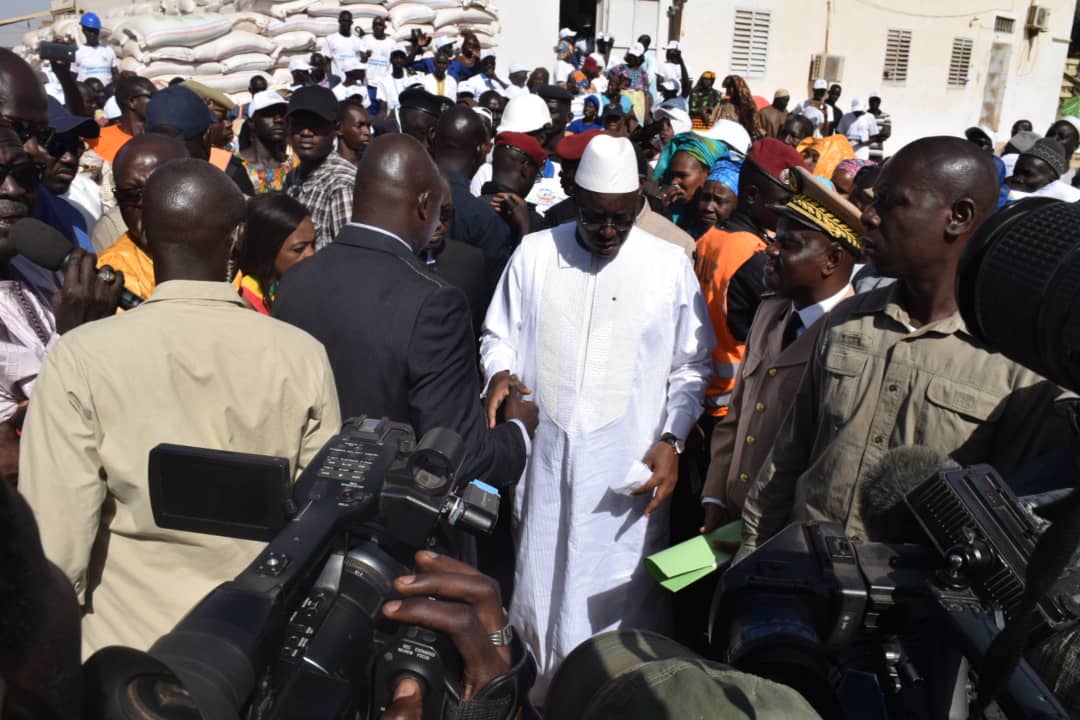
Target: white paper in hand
638,474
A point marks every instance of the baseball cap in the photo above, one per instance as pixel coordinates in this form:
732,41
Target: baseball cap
566,33
518,67
555,92
90,20
821,85
300,62
416,97
266,99
441,42
314,99
857,104
632,674
525,113
178,107
636,49
679,119
730,133
62,121
874,94
525,143
351,64
670,84
673,45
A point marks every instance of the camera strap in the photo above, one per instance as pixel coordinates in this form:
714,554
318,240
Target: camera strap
501,698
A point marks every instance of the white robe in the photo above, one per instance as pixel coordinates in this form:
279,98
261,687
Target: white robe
616,353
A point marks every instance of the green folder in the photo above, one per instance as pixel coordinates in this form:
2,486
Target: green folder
686,563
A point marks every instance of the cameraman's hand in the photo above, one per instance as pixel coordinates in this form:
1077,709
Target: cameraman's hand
499,389
84,296
453,598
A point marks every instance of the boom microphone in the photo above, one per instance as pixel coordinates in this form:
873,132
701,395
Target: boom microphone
881,493
44,245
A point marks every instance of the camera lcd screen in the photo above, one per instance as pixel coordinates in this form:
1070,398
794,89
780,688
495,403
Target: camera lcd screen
217,492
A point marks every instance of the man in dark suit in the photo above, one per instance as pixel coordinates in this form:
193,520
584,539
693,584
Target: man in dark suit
399,338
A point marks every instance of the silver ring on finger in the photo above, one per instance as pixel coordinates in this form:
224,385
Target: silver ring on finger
107,275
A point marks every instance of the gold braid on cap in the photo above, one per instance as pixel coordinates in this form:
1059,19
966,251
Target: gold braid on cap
821,216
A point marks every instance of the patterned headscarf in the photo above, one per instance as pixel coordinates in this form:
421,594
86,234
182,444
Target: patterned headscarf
705,150
854,165
726,171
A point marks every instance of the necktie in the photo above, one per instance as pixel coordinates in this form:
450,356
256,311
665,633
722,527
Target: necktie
791,328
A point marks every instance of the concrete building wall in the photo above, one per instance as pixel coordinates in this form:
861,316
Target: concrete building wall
924,104
530,31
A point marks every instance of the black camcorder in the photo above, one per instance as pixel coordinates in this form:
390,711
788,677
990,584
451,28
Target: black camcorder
299,633
872,630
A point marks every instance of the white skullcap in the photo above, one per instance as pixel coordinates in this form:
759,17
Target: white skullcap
821,85
673,45
566,33
730,133
518,67
1074,121
300,62
112,108
609,165
525,113
874,94
857,105
352,63
679,119
636,49
265,99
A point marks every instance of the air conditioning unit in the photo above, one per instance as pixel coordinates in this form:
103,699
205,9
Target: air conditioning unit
1038,19
827,67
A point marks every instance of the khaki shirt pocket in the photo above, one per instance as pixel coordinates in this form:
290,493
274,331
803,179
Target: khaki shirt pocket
956,411
843,367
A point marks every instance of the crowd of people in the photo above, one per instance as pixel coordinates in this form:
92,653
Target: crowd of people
650,304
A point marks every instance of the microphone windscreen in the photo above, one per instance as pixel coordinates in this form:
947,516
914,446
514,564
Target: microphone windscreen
40,243
881,493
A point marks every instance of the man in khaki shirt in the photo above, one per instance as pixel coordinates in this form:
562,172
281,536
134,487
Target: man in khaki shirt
896,366
190,366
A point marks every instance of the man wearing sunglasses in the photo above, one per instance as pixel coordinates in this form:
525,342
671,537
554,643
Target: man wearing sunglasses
35,306
606,326
78,197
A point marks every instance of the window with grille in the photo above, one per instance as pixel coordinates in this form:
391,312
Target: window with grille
1003,24
750,42
897,52
960,61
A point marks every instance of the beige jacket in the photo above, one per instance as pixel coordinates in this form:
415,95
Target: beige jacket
768,379
656,224
873,384
191,366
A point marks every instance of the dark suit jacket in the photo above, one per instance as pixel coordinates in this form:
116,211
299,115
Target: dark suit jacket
400,342
462,266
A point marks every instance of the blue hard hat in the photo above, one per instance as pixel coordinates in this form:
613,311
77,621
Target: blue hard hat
90,20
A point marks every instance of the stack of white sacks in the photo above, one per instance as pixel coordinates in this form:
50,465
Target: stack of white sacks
224,43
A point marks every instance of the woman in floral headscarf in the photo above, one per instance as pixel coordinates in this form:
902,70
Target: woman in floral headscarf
739,106
704,99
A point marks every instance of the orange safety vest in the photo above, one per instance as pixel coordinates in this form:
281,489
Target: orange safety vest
720,254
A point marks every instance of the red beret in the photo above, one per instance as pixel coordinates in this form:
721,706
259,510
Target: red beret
525,143
774,157
590,65
572,147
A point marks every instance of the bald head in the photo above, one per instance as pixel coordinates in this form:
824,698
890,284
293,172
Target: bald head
398,189
132,167
22,97
192,213
949,168
459,143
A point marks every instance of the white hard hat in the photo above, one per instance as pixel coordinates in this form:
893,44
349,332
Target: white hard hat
525,113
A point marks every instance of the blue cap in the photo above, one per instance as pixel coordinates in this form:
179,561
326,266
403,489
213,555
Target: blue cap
90,20
61,120
180,108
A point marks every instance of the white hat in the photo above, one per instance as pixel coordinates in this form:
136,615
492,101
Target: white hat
351,64
857,105
874,94
608,165
518,67
636,49
112,108
679,119
730,133
441,42
349,90
673,45
821,85
484,113
525,113
486,54
670,84
300,62
265,99
566,33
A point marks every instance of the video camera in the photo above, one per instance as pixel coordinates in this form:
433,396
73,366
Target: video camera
299,633
872,630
